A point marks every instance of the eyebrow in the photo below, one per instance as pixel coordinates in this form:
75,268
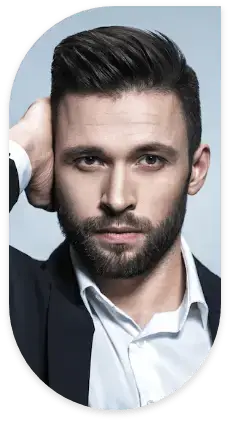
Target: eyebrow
72,152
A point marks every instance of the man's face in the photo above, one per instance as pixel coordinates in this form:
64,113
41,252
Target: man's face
121,163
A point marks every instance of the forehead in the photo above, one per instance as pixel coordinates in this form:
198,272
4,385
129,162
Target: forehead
132,118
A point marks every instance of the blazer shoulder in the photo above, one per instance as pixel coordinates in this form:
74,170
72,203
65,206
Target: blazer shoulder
20,261
26,274
205,273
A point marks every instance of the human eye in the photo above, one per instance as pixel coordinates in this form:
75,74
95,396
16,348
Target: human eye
87,162
152,161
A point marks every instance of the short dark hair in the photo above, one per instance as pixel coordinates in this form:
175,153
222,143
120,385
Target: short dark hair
111,60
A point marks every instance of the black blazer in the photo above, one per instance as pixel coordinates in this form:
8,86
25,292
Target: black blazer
51,325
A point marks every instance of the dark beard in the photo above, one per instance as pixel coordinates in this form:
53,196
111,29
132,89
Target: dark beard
115,261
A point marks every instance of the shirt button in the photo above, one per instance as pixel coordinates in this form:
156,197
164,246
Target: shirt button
150,402
142,344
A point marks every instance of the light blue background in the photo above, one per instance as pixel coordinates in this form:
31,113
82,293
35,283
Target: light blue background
197,32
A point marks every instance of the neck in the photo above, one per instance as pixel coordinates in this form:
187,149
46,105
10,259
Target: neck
162,290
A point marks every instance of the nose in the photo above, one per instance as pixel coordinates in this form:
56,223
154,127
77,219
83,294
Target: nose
118,195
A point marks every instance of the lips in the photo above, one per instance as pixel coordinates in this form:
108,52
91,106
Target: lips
119,234
119,230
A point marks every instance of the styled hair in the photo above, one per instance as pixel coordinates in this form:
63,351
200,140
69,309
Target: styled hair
111,60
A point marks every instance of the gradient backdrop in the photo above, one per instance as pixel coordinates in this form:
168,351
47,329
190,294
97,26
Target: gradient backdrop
197,31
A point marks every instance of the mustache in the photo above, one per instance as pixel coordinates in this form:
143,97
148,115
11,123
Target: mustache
95,224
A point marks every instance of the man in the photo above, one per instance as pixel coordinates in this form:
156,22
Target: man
121,315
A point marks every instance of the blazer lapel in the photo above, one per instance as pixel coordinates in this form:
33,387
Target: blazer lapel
211,285
69,333
70,327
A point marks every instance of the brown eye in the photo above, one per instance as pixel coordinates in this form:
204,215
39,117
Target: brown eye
151,160
88,160
88,163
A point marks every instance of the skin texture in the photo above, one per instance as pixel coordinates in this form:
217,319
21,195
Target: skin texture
120,186
144,189
34,133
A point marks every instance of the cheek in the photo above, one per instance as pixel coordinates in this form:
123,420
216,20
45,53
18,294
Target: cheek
81,194
158,197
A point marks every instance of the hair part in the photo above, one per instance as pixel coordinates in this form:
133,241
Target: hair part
111,60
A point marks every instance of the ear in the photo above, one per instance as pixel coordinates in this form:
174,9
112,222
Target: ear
200,166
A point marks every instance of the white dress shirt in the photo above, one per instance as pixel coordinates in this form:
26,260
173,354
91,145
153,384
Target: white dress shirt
22,162
132,367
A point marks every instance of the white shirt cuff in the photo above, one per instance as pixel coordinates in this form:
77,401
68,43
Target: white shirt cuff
22,162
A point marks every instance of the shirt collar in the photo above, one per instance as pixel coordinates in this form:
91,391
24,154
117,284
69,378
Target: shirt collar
83,278
193,293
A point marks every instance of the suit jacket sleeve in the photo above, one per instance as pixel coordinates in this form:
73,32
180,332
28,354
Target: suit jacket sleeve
20,171
14,184
29,283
